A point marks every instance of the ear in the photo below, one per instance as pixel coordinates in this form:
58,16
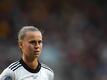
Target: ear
20,44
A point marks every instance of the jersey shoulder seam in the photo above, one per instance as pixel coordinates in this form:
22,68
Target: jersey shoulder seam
46,67
14,65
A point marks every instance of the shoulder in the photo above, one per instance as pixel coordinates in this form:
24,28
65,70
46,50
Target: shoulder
8,73
48,70
14,66
46,67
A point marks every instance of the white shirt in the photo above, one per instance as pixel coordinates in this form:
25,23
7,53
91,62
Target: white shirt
20,71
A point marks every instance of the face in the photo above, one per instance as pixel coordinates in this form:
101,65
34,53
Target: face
31,45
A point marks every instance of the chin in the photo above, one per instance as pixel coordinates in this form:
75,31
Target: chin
36,54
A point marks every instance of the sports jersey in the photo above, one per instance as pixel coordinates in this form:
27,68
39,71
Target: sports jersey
20,71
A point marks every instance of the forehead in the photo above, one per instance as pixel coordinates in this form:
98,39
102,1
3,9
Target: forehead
33,35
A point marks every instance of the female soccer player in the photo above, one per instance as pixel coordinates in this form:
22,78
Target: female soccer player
28,67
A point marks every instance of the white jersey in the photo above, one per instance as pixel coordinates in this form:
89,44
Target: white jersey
20,71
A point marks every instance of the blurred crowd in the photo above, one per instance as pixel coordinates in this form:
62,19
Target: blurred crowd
74,34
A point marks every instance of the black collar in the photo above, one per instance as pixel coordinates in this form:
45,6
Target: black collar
29,69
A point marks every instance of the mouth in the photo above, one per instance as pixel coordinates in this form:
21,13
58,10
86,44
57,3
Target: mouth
36,52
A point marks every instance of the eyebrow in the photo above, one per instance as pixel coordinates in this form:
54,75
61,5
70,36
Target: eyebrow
31,41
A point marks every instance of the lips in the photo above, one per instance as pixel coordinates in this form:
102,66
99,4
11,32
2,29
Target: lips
36,51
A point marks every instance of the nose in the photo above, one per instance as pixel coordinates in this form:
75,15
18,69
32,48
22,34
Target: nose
36,45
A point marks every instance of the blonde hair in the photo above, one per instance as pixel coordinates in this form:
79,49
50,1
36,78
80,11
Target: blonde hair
25,29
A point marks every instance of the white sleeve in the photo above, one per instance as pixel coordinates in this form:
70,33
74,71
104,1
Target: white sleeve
7,74
51,76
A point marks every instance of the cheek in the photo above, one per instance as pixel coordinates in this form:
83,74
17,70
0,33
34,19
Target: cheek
29,47
41,46
26,47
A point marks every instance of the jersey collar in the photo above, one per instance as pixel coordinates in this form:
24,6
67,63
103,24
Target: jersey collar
29,69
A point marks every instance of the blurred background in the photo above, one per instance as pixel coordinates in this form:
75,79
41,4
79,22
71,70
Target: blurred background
75,41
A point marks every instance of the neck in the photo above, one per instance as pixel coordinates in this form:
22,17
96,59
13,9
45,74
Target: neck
32,63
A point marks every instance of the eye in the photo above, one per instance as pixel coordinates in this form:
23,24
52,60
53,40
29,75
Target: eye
35,42
32,42
39,42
